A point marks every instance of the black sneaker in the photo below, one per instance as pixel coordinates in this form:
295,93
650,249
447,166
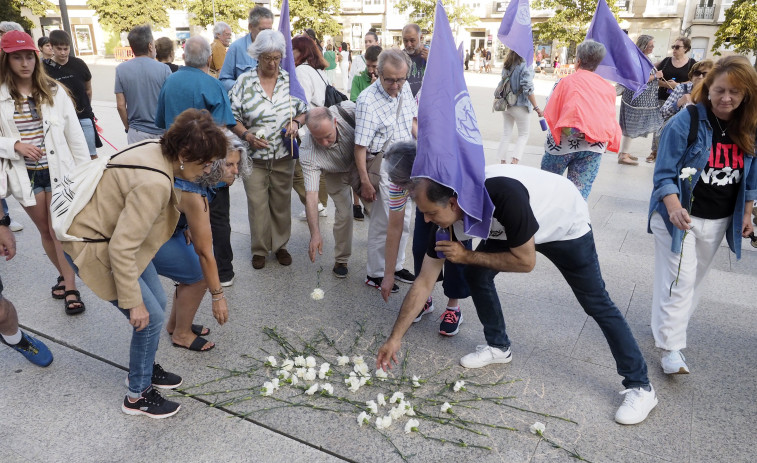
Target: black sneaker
375,282
451,320
404,276
163,379
357,212
428,307
151,404
340,270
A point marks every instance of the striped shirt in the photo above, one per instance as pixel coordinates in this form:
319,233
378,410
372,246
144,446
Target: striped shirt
253,108
338,158
376,117
32,132
397,197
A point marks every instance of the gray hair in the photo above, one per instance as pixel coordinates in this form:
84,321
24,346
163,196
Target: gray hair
219,28
316,116
196,52
590,54
416,28
258,13
218,169
140,39
400,158
643,41
394,56
7,26
235,144
268,41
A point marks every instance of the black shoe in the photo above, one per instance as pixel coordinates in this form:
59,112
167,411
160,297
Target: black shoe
340,270
151,404
357,212
163,379
404,276
375,282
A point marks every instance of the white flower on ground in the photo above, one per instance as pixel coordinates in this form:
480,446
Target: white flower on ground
283,374
411,425
310,375
317,294
299,361
270,361
300,372
260,133
397,412
380,399
267,388
325,366
537,428
287,364
275,383
383,423
687,172
372,407
381,374
409,410
342,360
353,383
446,407
293,379
396,397
363,418
416,381
362,369
459,386
312,389
357,360
310,362
328,388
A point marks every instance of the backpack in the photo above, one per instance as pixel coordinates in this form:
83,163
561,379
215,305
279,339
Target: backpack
333,96
504,97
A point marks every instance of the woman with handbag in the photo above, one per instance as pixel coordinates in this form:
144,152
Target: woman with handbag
522,86
41,137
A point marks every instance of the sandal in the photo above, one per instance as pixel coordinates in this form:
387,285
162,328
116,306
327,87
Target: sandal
197,345
59,287
73,306
199,330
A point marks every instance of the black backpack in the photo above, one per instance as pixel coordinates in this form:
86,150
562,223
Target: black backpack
333,96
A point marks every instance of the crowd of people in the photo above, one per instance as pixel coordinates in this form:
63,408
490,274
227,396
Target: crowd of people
162,204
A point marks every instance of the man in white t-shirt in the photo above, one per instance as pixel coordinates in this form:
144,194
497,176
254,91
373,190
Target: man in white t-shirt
533,211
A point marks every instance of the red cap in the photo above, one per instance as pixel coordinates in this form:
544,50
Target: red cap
17,41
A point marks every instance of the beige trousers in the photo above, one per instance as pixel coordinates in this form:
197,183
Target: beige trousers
269,204
338,187
299,185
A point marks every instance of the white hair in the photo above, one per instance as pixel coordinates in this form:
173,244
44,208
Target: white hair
196,52
7,26
219,28
268,41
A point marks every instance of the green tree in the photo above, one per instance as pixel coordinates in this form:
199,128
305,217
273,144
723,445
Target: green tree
123,15
314,14
739,29
422,13
228,11
570,21
10,10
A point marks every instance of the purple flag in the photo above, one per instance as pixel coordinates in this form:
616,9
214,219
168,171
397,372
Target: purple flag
287,64
450,150
624,62
515,30
461,52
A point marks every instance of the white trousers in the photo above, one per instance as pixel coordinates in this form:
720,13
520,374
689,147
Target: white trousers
379,220
671,310
514,115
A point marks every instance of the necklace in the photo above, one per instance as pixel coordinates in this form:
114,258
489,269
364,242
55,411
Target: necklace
722,130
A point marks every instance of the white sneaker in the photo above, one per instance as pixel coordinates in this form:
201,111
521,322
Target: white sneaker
226,284
674,363
303,216
636,405
15,226
486,355
322,210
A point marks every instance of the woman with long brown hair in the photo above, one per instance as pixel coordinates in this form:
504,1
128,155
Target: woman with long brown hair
703,191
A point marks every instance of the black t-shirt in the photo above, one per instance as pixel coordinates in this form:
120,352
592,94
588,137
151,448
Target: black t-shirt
417,70
718,187
174,67
513,221
670,72
74,75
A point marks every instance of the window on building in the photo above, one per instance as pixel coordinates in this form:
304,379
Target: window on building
661,7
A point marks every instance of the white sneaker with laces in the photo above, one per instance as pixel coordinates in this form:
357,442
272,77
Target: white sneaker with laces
674,363
15,226
486,355
636,405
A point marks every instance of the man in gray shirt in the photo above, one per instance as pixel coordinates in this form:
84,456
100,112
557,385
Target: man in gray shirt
138,84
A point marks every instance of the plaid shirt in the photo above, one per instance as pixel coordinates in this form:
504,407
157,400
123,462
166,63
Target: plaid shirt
253,109
376,117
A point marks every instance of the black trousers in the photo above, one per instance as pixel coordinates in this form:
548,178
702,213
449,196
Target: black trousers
221,229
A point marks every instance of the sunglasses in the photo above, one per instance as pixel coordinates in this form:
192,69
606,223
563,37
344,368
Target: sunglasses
700,73
676,47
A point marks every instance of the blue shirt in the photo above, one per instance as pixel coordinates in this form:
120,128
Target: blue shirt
140,80
192,88
237,61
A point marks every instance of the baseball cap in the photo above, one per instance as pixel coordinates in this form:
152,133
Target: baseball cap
17,41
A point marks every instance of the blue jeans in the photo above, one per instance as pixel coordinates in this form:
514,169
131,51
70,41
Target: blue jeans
89,134
178,260
583,167
577,261
453,283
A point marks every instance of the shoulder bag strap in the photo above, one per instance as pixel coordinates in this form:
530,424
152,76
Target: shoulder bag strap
694,126
345,115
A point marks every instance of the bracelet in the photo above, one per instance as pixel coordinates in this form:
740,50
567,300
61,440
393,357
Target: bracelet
298,123
216,292
218,299
536,108
244,135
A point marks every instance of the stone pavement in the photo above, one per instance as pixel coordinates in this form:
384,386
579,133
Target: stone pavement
561,364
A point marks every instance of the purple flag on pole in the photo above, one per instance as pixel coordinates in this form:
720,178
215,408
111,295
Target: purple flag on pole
624,62
461,52
450,150
287,64
515,30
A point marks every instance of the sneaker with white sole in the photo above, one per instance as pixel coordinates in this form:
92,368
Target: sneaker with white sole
228,282
322,211
15,226
150,404
404,275
674,363
486,355
161,378
428,307
636,405
375,282
451,321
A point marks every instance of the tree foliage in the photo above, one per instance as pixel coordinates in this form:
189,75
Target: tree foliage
739,29
422,13
570,21
314,14
10,10
228,11
124,15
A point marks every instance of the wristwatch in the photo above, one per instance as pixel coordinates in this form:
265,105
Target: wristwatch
5,221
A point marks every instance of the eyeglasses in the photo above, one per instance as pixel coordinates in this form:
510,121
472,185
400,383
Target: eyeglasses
700,73
401,81
676,47
269,59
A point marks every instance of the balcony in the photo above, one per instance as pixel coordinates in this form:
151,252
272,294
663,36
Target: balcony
704,12
623,5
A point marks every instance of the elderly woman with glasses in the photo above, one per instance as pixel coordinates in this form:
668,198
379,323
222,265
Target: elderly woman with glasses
262,106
